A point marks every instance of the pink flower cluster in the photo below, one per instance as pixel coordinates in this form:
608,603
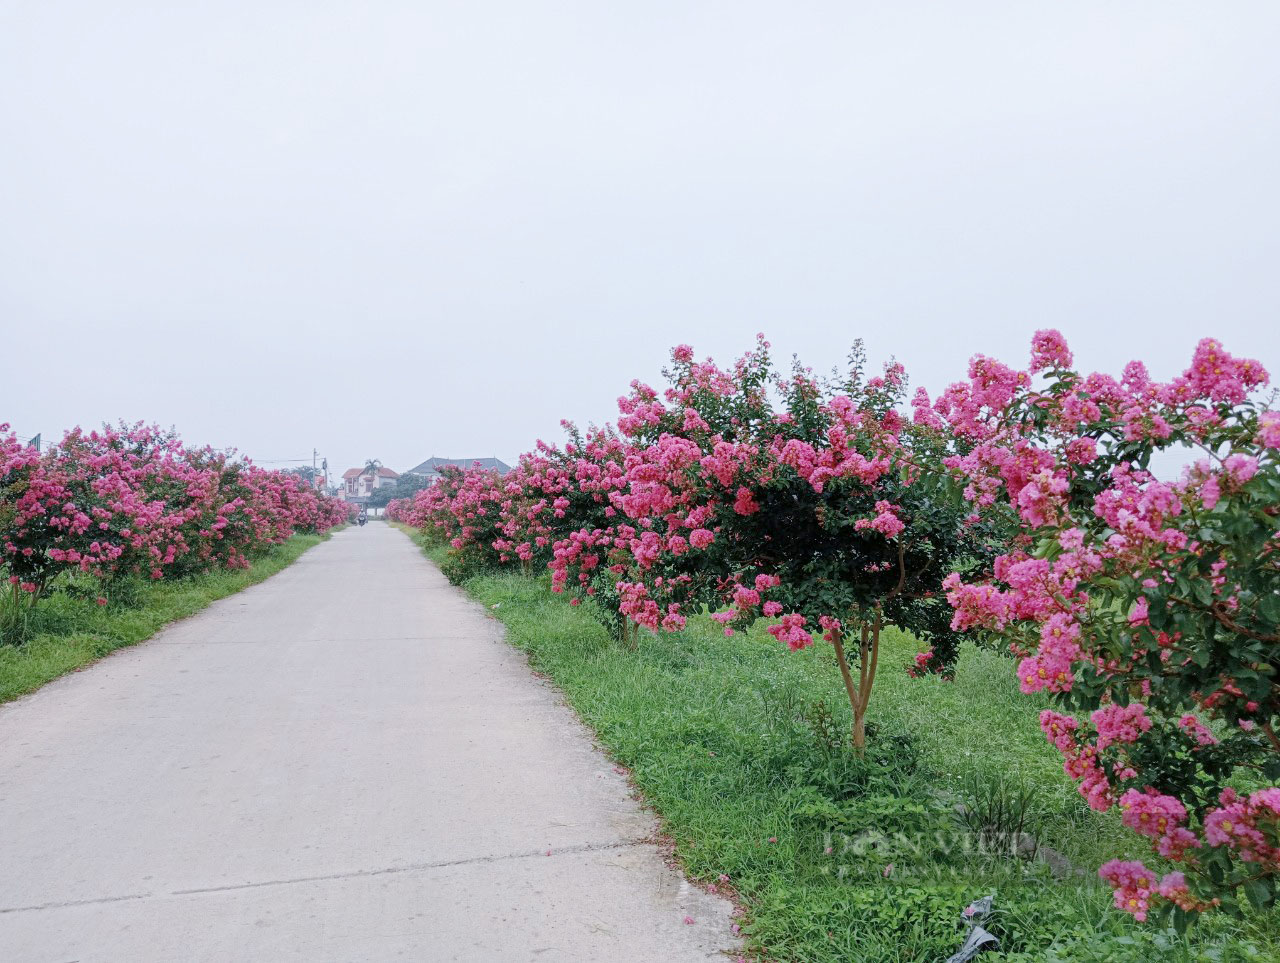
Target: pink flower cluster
1133,884
791,630
886,522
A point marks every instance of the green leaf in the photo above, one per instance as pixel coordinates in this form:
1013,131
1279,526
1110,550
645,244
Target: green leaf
1259,893
1269,605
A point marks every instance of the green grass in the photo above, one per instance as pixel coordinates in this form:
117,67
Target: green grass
67,633
738,741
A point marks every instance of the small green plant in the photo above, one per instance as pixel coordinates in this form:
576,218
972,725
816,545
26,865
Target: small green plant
829,734
999,811
16,605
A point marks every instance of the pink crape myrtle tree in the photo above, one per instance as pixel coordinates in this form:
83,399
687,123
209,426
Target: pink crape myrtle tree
1147,607
796,500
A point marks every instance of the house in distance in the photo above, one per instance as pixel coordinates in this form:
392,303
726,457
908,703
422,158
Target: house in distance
359,483
430,469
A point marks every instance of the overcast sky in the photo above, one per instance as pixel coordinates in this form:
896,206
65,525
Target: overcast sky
397,229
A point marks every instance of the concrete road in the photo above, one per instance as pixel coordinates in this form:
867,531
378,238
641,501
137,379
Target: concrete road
345,762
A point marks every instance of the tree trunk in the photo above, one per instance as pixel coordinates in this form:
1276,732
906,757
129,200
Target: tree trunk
859,691
858,735
631,635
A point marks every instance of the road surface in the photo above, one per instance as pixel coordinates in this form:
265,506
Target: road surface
345,762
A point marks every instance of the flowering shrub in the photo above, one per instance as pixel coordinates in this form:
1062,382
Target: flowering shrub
1148,609
134,500
811,513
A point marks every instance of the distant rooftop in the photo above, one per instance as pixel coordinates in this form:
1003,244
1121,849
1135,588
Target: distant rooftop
433,465
383,472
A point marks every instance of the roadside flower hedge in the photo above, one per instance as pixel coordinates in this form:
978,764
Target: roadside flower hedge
1019,506
135,501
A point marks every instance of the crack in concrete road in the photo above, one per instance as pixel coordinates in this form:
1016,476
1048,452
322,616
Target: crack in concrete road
307,641
76,902
352,874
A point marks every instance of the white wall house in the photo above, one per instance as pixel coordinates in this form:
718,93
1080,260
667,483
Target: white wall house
359,484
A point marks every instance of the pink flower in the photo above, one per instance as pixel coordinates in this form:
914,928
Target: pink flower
1152,813
766,582
1082,451
1133,884
1174,888
1240,468
1120,724
1269,429
1210,492
886,522
1049,350
745,503
1216,375
1197,730
791,631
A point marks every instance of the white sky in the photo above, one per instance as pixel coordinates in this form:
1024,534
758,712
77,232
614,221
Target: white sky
394,230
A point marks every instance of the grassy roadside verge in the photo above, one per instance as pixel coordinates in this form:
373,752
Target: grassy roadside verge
72,632
739,747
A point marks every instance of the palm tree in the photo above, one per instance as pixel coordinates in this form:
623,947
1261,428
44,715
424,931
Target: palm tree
371,467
